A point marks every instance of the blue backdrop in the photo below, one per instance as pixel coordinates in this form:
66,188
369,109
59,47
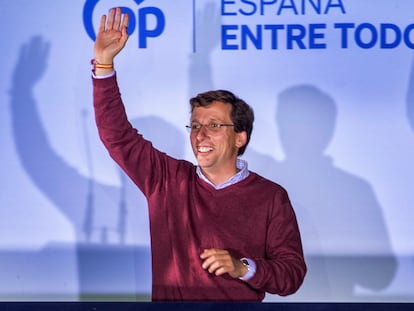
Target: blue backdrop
332,86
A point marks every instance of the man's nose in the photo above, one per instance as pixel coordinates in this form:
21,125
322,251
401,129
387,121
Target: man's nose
202,132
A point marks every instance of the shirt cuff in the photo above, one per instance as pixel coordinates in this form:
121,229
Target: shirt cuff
251,270
103,76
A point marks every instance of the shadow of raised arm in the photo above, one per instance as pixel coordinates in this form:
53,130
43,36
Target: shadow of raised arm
61,183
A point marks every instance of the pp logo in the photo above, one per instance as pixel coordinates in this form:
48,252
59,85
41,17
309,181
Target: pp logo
151,21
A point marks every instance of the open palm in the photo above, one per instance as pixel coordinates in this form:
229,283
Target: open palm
112,36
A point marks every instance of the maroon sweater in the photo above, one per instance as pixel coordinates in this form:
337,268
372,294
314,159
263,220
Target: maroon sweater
252,218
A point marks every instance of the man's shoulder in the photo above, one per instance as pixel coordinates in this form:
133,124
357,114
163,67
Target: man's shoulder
265,182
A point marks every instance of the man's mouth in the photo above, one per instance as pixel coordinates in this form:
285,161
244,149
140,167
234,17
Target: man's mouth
202,149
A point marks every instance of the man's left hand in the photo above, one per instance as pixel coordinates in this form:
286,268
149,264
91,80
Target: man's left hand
219,262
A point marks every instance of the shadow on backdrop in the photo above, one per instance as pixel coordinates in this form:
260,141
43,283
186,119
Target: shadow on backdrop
104,217
410,97
336,210
410,101
342,224
207,29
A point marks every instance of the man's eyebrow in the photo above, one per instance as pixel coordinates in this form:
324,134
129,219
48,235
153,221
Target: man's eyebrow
212,119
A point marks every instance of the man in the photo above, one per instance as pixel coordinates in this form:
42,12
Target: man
218,231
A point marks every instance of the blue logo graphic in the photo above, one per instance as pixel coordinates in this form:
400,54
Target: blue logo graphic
144,16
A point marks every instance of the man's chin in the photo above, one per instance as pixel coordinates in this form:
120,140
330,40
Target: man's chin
202,163
202,158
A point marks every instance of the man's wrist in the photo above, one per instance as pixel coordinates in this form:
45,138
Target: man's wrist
102,68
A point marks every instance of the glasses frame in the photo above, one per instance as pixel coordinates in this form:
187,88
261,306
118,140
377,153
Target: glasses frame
210,127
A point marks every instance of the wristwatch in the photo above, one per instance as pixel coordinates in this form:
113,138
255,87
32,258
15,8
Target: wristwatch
246,264
251,268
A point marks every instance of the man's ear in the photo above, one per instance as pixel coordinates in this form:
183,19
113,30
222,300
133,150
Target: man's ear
241,139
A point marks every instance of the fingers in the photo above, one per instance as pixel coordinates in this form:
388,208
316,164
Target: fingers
114,21
102,24
117,22
110,22
217,261
125,22
124,28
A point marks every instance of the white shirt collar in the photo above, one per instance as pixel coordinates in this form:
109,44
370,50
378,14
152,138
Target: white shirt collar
239,176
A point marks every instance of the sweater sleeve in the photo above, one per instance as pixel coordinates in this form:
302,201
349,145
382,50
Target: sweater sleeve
126,146
283,268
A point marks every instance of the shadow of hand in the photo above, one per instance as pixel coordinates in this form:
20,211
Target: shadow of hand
31,64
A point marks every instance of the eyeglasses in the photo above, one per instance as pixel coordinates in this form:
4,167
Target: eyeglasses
210,127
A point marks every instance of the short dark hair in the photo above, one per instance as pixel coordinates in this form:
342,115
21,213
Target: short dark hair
242,114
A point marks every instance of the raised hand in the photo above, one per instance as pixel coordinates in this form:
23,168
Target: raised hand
112,36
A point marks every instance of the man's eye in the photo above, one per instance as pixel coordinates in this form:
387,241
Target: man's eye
214,125
195,126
